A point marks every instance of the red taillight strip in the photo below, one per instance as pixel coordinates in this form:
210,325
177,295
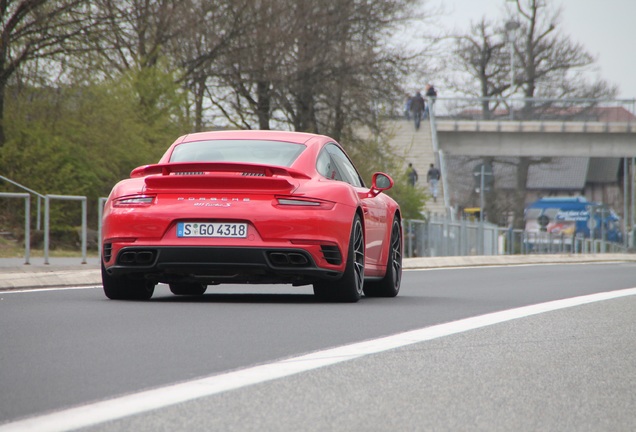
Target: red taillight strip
134,201
294,202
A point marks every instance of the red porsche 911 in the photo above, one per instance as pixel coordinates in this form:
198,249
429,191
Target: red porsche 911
252,207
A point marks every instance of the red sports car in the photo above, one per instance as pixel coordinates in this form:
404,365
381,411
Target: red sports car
252,207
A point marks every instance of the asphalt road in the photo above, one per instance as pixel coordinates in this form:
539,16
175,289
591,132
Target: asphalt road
569,369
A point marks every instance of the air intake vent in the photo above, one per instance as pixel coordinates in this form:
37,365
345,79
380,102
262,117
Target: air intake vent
108,251
188,173
332,254
253,174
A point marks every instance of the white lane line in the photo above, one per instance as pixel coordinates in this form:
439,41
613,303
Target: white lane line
53,288
491,266
112,409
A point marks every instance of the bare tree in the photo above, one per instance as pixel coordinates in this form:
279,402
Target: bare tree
135,32
480,54
210,29
549,64
314,65
550,61
36,29
254,68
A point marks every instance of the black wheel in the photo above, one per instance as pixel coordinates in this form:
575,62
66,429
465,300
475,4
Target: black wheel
188,288
125,288
349,287
389,286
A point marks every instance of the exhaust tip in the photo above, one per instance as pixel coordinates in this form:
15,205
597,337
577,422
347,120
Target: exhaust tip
298,259
289,259
137,257
279,258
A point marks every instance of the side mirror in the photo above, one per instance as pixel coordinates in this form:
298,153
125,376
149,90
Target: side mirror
380,182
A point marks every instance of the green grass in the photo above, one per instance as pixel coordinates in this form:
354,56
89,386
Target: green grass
12,249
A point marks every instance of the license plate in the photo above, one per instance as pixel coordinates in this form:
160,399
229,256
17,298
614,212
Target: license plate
212,229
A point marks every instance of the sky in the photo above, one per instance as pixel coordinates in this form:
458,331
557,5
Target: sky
606,28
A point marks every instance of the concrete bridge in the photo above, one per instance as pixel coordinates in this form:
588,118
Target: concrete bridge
537,138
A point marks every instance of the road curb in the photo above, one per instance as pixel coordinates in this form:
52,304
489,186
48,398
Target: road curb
499,260
53,278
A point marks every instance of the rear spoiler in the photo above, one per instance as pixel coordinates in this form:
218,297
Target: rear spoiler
199,168
227,176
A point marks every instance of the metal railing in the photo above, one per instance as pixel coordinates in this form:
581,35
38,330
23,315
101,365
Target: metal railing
441,236
528,242
47,207
27,221
47,216
536,109
39,196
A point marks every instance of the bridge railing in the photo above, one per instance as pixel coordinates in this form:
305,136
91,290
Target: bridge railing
536,109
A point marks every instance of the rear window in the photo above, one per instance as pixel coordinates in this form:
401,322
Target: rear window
252,151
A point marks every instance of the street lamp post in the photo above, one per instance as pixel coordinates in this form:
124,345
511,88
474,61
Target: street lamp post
511,27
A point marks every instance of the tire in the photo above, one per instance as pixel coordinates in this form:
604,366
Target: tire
389,285
125,288
349,287
193,289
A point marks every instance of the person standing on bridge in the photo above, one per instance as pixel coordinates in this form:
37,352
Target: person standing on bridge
431,94
417,108
432,177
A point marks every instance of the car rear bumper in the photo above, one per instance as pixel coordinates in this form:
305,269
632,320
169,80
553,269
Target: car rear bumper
214,265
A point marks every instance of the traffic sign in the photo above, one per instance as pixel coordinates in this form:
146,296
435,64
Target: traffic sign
486,169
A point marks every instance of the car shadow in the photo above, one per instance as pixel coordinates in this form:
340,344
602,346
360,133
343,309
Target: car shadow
240,298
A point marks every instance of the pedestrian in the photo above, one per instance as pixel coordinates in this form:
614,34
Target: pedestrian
417,108
407,106
432,177
430,91
431,94
411,174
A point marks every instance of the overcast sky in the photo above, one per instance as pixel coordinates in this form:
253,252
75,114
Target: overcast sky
606,28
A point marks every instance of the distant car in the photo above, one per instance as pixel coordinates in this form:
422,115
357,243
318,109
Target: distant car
252,207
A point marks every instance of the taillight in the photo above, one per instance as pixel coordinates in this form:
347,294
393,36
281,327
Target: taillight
303,203
134,201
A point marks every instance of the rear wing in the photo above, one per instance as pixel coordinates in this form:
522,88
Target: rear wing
226,176
200,168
